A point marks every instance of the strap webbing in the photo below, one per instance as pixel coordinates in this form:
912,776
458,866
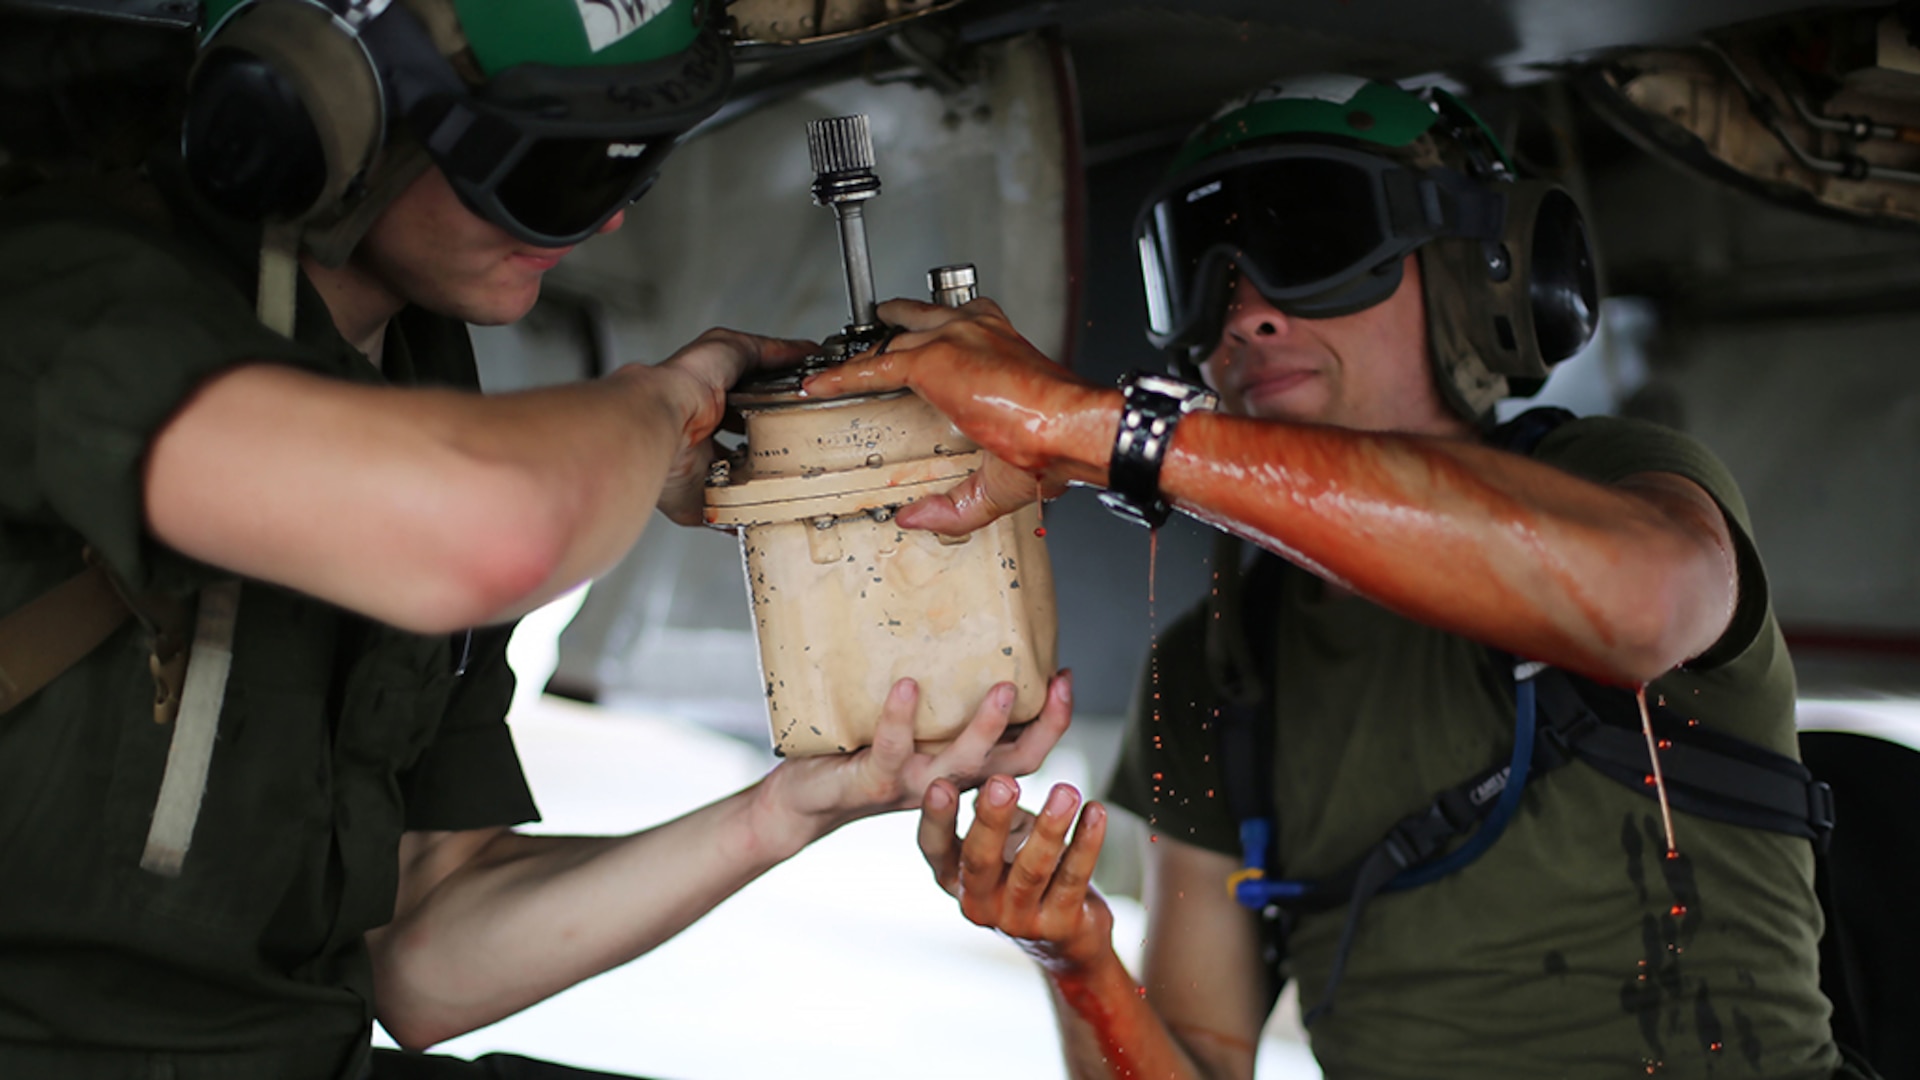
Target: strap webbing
55,630
190,754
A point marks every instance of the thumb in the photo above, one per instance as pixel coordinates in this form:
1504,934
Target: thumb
991,492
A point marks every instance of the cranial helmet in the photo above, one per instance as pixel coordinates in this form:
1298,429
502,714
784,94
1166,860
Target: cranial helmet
1316,188
546,116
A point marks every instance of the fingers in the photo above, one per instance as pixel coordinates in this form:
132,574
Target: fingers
962,758
1033,866
917,315
730,354
1074,875
1039,737
870,375
1018,872
939,838
982,853
758,351
893,734
683,498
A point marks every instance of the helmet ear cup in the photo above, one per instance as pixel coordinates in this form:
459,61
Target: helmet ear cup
1563,286
249,141
1501,313
283,111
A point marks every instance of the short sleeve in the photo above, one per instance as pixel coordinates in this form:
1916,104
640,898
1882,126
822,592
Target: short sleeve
469,776
109,331
1608,449
1168,772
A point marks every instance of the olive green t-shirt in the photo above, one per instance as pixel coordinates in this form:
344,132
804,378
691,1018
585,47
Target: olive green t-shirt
336,734
1572,947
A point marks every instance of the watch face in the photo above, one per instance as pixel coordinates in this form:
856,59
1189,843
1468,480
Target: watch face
1163,384
1189,396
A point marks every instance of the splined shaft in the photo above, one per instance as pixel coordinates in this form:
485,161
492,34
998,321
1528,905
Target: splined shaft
841,150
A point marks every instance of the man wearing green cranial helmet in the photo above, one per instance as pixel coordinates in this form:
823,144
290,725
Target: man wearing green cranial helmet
262,545
1396,757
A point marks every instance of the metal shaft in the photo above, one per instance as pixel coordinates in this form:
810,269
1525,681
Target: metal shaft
841,150
858,261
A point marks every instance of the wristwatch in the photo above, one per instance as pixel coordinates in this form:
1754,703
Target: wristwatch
1154,405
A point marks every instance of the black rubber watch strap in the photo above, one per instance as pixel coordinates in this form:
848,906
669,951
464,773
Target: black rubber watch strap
1153,407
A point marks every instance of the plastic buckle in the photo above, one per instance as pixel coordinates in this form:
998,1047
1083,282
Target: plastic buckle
1820,811
1244,874
1402,847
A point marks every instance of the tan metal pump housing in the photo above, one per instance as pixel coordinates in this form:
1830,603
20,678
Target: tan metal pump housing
846,602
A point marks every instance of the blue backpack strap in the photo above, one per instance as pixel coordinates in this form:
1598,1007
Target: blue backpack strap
1240,634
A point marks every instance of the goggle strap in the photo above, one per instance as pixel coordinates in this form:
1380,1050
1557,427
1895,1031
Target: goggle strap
1470,209
1414,209
411,66
471,144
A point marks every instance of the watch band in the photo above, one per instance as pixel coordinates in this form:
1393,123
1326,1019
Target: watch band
1152,409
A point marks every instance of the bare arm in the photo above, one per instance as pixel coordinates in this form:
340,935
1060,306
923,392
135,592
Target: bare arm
1620,583
491,921
436,509
1199,1013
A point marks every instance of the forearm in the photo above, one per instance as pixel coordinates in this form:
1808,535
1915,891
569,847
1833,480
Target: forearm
1613,583
528,916
1108,1027
428,509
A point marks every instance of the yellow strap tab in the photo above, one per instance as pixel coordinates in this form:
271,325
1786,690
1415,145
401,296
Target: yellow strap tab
1245,873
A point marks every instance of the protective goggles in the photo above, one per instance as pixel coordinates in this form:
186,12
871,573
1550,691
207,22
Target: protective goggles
1320,230
549,153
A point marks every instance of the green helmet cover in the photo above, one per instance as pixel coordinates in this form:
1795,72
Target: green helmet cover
1365,110
556,33
575,33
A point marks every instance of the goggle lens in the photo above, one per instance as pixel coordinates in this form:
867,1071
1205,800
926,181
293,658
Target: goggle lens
1300,226
564,186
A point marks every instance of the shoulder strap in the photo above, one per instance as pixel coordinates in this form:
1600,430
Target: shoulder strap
55,630
176,812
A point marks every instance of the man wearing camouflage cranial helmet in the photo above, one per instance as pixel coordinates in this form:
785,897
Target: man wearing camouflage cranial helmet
1334,752
256,790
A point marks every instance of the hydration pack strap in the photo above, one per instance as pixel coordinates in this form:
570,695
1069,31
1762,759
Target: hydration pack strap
1709,774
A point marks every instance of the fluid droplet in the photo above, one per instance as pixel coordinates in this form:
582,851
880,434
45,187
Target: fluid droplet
1714,1047
1040,530
1678,911
1666,744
